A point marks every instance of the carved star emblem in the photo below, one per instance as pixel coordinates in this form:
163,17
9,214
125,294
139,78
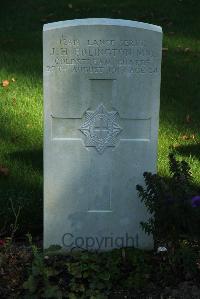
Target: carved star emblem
100,128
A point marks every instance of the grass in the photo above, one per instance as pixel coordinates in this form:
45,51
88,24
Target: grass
21,123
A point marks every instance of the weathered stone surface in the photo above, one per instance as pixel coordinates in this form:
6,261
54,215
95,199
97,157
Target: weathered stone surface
101,95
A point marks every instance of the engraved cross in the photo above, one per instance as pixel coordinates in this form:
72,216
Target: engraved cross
100,131
101,126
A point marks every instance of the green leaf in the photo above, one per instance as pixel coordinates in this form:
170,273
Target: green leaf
104,276
95,267
50,272
85,274
53,248
31,284
52,292
72,296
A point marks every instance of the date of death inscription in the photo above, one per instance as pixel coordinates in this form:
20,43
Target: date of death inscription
102,56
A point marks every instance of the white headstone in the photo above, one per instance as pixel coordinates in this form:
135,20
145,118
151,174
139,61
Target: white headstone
101,94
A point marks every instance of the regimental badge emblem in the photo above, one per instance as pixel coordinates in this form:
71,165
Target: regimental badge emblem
101,128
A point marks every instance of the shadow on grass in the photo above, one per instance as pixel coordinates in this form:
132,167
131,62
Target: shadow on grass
21,22
189,149
32,157
27,17
25,189
180,91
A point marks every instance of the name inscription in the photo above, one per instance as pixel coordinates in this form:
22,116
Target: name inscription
102,56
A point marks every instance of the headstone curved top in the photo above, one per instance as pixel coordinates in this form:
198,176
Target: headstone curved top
101,96
101,21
